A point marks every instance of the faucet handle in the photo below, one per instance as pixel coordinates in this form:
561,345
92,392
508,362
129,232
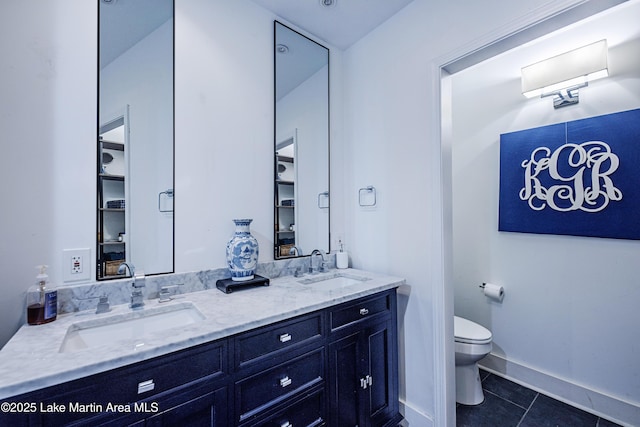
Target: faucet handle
165,294
324,267
103,305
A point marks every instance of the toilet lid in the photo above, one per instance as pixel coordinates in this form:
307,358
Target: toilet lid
469,332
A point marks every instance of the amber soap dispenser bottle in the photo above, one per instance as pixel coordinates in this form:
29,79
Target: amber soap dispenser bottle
42,302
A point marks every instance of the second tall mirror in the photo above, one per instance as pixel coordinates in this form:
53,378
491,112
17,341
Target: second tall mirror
301,144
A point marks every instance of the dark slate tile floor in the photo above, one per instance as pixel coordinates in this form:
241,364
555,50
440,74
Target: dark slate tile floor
507,404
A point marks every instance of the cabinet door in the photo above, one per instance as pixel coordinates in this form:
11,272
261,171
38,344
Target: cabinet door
193,409
381,399
345,373
363,377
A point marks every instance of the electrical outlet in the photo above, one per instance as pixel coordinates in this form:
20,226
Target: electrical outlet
76,265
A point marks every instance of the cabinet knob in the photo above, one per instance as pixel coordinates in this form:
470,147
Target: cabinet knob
285,337
364,311
284,382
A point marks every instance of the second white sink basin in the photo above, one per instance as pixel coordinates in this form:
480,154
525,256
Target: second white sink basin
333,280
130,328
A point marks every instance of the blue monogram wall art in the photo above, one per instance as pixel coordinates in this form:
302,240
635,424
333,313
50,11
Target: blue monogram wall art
578,178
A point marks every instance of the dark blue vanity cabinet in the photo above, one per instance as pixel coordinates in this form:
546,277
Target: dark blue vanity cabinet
363,362
333,367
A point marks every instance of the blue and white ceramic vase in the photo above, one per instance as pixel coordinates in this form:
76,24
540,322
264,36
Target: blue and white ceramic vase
242,252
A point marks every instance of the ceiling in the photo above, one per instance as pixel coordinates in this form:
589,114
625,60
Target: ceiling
590,12
123,23
340,25
617,24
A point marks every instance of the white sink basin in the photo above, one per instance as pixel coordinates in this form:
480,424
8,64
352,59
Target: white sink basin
333,281
129,328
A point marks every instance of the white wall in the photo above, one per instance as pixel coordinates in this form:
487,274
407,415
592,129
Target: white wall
48,121
569,301
224,128
392,142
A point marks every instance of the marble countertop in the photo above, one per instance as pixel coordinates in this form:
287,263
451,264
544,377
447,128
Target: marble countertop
32,360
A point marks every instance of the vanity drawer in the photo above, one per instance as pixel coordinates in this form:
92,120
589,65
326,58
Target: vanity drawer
349,313
142,380
287,335
266,389
308,411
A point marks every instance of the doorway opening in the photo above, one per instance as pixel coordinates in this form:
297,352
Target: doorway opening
447,67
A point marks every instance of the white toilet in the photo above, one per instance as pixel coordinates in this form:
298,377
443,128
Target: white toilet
472,343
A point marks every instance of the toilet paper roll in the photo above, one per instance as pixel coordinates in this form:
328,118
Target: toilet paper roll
495,292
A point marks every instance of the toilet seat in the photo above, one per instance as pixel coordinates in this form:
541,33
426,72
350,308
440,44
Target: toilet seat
468,332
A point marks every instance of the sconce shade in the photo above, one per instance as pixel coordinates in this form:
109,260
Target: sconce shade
569,69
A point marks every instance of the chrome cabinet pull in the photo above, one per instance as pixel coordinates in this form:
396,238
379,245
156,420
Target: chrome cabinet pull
146,386
285,337
284,382
366,382
286,424
364,311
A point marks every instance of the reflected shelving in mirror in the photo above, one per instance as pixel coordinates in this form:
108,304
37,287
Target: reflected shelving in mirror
112,215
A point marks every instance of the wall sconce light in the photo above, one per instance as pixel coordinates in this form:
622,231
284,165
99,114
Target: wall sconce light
562,75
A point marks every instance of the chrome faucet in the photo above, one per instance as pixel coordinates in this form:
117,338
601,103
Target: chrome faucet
321,267
295,251
137,282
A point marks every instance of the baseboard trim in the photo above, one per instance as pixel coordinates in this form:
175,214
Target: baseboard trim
594,402
414,417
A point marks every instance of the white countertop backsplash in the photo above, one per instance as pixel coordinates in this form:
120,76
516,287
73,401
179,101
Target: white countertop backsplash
31,360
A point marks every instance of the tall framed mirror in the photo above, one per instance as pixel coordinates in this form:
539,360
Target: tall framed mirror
135,138
301,161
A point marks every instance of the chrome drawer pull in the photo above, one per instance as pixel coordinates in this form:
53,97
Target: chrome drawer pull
285,381
146,386
285,337
364,311
286,424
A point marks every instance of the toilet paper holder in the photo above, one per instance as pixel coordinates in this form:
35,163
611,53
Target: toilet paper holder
494,292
